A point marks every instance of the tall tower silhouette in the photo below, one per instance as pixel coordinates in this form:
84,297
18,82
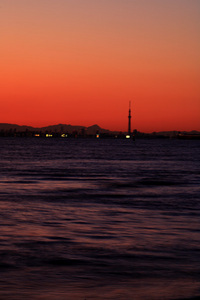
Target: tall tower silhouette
129,119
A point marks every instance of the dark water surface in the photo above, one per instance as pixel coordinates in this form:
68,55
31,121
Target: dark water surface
99,219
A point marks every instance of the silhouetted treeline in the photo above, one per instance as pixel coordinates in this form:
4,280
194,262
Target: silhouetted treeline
55,134
83,134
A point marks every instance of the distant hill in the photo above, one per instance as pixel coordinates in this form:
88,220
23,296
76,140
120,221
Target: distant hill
91,130
7,126
95,128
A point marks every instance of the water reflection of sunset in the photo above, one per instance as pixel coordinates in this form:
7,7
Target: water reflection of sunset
104,219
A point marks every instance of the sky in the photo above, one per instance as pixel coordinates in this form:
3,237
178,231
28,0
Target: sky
80,62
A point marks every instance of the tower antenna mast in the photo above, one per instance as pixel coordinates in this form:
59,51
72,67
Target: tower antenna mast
129,119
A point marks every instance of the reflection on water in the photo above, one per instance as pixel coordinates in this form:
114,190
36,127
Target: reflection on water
104,219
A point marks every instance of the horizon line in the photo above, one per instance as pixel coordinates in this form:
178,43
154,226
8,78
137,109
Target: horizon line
83,126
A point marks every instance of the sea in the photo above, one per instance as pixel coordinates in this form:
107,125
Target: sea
102,219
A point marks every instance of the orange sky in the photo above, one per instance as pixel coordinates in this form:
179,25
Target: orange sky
81,62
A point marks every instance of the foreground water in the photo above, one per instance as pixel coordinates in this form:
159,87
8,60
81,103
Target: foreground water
99,219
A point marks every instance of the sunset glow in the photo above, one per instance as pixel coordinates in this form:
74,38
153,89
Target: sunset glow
81,62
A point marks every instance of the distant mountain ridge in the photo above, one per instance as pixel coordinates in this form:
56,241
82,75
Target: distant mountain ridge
90,130
55,128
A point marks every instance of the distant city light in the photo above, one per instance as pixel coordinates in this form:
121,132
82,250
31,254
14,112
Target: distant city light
97,135
49,135
128,136
63,135
37,134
